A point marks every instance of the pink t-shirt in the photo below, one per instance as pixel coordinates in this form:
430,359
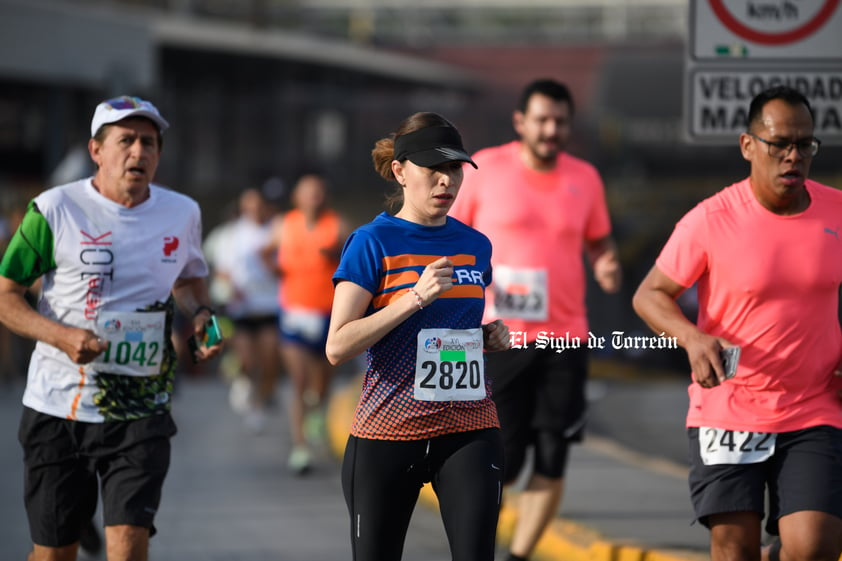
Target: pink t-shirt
538,223
770,284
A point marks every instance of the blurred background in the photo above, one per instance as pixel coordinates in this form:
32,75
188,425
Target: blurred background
257,91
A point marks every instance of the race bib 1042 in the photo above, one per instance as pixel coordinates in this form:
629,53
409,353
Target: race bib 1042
135,342
449,365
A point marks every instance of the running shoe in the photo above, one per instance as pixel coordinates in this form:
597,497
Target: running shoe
299,461
239,396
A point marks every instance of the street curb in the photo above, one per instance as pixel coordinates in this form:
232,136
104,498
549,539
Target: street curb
565,540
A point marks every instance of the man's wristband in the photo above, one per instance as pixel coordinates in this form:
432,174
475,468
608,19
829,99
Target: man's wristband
204,308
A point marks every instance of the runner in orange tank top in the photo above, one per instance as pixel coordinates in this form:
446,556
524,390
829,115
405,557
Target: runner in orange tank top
307,258
306,241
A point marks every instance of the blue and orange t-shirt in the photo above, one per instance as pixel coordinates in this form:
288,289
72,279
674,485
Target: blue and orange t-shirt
386,257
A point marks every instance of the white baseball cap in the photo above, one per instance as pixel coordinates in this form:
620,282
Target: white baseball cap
123,107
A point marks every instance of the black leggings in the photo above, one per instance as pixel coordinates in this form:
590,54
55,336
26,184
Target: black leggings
381,480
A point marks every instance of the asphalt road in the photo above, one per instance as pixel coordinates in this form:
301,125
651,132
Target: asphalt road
229,496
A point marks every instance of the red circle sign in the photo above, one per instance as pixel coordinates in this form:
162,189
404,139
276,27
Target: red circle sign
779,38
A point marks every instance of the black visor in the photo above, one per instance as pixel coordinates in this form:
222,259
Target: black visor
431,146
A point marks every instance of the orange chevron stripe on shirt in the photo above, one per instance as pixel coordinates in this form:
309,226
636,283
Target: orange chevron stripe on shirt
391,262
405,270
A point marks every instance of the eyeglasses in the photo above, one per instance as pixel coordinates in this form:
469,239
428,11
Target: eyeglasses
807,148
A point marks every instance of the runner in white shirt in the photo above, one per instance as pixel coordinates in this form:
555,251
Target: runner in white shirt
247,289
114,253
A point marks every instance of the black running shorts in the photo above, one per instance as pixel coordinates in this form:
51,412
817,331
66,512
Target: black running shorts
63,458
540,398
805,473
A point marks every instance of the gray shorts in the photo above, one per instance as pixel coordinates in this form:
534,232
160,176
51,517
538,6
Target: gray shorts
804,473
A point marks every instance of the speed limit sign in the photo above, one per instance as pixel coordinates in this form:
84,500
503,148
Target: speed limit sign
738,48
765,29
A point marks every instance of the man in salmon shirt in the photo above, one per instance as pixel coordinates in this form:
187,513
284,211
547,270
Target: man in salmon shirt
766,257
543,209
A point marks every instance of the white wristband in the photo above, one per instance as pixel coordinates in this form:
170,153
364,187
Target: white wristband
417,299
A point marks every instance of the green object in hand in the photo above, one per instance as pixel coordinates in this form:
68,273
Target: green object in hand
213,335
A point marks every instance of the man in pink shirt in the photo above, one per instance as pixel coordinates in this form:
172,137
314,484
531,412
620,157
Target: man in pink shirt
543,209
766,257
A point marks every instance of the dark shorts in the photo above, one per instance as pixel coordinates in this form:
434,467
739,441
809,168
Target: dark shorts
64,458
540,398
253,324
805,473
